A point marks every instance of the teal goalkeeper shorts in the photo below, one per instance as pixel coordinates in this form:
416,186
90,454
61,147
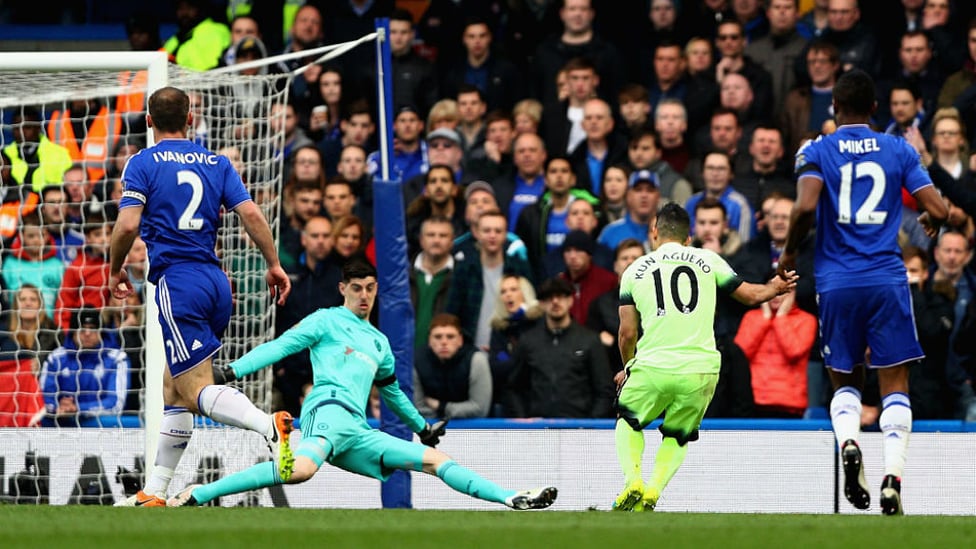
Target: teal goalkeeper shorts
330,433
682,397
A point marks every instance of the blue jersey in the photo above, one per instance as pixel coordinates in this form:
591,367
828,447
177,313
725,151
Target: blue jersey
859,211
182,187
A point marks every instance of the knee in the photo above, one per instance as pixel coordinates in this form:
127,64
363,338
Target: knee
433,459
304,469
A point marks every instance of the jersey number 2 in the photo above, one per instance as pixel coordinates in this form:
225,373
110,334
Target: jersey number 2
867,214
187,220
679,304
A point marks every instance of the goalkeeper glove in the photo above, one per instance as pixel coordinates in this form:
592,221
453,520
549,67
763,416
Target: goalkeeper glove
431,435
223,374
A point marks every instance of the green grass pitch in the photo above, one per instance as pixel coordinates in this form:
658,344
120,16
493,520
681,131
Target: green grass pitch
108,527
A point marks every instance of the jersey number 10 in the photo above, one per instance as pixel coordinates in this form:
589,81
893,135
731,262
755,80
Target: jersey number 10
679,304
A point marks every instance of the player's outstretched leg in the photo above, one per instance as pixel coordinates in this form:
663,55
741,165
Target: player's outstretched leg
280,446
468,482
258,476
184,498
538,498
231,407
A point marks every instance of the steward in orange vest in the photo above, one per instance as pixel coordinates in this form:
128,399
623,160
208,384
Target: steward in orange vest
98,134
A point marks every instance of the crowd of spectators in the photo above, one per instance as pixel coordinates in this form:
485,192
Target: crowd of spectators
535,141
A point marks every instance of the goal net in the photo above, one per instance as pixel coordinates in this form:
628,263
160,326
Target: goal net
71,130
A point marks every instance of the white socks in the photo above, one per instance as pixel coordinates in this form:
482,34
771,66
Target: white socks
229,406
896,425
175,430
845,414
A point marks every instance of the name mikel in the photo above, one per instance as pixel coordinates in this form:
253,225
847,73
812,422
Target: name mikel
859,146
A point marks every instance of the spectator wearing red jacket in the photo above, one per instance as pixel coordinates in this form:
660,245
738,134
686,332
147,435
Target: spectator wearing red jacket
777,338
85,280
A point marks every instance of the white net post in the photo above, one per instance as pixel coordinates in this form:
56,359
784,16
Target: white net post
239,116
35,69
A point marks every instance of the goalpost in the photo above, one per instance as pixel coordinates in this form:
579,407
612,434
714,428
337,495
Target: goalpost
239,116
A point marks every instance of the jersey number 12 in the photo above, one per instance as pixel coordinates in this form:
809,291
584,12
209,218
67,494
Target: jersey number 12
867,214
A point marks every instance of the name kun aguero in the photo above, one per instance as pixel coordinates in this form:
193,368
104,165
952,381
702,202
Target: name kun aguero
185,158
685,257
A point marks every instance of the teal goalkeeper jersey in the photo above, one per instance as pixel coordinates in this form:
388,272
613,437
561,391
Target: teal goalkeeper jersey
674,289
347,354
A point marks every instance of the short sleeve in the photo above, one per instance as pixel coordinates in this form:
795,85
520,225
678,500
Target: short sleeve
235,193
135,183
726,278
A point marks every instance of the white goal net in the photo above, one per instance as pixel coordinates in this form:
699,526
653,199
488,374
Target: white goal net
66,134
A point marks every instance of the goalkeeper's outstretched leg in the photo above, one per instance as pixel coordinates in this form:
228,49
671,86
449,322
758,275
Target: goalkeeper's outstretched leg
374,454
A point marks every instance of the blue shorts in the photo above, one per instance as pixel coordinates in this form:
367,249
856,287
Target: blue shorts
331,433
194,309
877,317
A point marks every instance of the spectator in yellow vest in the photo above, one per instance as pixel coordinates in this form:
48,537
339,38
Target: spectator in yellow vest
199,40
34,159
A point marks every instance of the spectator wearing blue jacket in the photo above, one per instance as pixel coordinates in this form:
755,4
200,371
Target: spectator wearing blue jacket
84,377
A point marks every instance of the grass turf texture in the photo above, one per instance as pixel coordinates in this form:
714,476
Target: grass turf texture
108,527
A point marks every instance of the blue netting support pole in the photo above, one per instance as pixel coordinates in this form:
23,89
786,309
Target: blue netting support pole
396,312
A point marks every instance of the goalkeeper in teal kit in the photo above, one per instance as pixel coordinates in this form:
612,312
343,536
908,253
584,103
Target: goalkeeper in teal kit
348,356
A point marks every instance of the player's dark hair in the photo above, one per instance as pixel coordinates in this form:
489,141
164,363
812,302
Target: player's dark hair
854,93
357,267
673,222
169,108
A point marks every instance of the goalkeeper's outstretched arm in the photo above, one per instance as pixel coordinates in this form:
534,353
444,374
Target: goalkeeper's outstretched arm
298,338
397,400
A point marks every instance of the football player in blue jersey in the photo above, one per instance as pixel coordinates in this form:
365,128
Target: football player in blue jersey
850,183
172,196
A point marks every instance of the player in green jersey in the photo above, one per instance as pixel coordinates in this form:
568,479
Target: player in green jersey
348,355
670,295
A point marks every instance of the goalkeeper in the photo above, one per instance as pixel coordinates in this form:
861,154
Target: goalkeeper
348,356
